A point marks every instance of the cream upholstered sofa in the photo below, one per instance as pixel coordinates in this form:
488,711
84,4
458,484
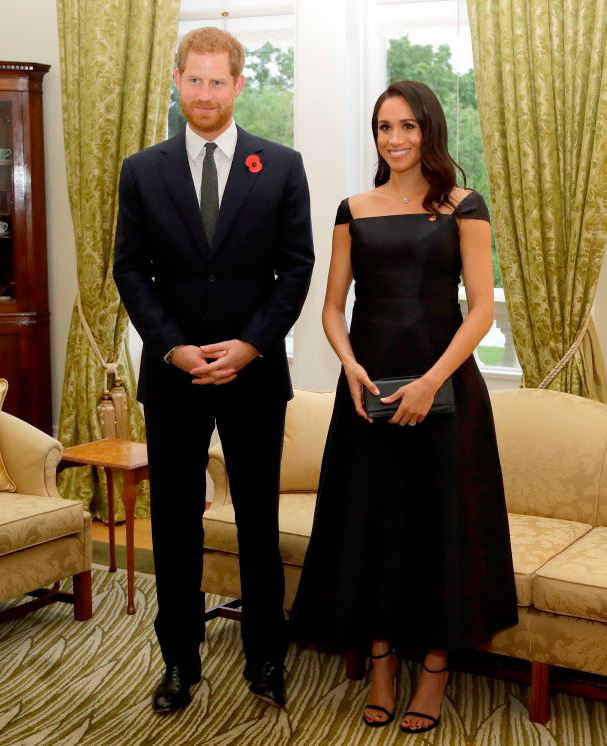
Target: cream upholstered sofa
43,538
553,449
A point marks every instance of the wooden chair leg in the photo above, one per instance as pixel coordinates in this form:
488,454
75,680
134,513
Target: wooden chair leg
539,700
111,519
129,497
83,596
355,664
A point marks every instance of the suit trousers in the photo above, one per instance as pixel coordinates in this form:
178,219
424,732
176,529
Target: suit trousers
179,424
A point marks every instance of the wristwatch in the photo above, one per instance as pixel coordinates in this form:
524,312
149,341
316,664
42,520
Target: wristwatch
169,356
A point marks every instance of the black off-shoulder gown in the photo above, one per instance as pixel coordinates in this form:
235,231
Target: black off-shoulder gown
410,540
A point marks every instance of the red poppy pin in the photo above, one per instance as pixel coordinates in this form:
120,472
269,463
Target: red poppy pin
253,163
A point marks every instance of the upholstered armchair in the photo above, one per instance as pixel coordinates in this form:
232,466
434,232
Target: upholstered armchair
43,538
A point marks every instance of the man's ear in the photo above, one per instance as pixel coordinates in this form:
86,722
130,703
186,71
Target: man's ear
239,85
177,78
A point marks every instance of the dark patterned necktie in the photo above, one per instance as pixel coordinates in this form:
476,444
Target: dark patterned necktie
209,193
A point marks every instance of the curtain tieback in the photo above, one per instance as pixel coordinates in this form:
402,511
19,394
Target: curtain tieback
112,410
111,369
549,377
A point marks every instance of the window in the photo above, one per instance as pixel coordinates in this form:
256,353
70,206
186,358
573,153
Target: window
265,106
429,40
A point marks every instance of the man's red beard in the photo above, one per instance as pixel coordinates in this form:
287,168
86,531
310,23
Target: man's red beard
206,120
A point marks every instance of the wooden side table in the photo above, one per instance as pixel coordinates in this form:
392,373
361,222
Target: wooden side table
114,456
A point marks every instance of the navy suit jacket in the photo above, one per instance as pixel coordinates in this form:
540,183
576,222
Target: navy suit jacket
250,284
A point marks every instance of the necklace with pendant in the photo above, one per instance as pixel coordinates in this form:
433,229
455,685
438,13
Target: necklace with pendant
406,198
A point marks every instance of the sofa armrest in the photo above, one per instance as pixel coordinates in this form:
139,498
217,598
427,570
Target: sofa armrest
30,456
219,475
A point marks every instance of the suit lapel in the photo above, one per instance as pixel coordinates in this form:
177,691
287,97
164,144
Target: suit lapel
175,169
240,181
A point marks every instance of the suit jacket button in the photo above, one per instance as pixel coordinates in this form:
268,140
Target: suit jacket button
212,278
206,316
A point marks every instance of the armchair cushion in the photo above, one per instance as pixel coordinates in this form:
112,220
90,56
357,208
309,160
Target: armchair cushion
6,483
46,563
575,582
29,520
535,541
295,518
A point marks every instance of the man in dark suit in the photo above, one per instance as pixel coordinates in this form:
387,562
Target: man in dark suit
213,260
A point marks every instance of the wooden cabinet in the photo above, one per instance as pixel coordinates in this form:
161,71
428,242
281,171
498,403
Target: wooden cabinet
24,310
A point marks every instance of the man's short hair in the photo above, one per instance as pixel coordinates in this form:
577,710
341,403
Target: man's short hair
208,40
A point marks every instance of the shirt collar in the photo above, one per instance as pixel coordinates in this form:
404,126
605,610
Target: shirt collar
226,142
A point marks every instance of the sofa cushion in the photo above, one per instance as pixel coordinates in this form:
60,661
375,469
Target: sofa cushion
295,523
306,426
28,520
552,447
536,540
575,582
6,483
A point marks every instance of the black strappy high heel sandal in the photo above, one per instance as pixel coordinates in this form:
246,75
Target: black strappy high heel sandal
390,718
435,721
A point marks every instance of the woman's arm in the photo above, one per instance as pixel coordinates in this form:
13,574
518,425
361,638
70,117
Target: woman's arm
475,248
334,317
338,284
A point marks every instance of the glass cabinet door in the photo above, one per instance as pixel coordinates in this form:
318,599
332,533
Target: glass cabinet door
7,253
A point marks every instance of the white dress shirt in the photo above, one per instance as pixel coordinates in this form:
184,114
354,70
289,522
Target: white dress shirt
224,155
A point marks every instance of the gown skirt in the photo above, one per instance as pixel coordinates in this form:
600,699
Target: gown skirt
410,541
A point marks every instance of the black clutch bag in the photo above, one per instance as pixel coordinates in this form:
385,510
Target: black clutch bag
444,401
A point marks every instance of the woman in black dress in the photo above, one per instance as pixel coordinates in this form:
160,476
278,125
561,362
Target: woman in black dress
410,544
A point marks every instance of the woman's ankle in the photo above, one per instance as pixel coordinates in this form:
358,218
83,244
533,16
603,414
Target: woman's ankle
380,649
435,661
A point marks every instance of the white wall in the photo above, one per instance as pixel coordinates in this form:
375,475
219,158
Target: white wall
28,30
335,89
321,107
599,311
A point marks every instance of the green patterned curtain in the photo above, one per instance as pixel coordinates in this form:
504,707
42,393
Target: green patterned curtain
116,61
541,77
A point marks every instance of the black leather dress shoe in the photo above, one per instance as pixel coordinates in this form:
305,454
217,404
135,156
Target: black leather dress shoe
173,692
267,682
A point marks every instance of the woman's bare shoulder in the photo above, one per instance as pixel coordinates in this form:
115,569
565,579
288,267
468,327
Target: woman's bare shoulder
459,194
363,203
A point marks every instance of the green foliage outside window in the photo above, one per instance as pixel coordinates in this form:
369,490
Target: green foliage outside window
407,61
265,106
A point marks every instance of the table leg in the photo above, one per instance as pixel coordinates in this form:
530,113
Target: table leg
129,495
109,475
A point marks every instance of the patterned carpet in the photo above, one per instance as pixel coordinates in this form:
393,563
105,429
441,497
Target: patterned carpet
65,683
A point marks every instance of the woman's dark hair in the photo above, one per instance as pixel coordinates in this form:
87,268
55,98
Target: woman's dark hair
438,167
